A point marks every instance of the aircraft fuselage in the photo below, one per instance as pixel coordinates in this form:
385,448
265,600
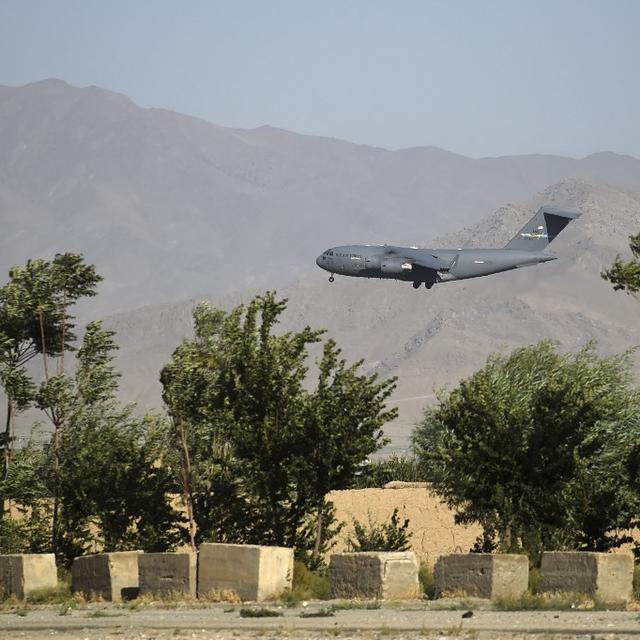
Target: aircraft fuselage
428,266
406,263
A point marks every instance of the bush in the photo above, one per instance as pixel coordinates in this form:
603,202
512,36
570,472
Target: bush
427,582
636,581
376,474
51,595
307,585
259,613
390,536
535,578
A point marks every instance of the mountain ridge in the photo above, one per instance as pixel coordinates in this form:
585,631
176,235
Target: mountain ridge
431,339
167,205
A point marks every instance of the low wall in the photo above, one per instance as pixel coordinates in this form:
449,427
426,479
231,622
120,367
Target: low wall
430,521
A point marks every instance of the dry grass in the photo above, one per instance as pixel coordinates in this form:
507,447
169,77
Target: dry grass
263,612
556,602
220,595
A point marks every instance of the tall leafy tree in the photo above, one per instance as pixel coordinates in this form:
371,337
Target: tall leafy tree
343,424
35,319
109,468
208,476
53,288
522,448
253,438
626,275
20,342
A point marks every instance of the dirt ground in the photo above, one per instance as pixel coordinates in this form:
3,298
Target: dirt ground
221,622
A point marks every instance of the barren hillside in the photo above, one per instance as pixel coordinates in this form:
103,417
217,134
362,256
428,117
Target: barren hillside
433,338
168,206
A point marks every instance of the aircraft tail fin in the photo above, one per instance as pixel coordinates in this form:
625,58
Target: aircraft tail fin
545,225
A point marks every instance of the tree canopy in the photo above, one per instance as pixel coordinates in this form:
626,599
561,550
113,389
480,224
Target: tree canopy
258,449
626,275
98,479
538,447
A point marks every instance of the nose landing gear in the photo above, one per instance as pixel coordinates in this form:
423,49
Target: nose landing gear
331,278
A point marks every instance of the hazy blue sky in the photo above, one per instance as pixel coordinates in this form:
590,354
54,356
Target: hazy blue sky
485,77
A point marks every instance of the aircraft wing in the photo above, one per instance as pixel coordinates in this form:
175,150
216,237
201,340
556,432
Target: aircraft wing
431,261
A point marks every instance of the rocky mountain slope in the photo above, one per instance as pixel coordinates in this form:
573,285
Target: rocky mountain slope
168,206
430,339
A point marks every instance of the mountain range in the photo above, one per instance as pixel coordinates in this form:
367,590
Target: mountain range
171,209
169,206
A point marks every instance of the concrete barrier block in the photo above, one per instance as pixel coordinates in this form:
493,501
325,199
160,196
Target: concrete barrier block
386,575
483,575
164,573
110,576
607,576
253,572
20,574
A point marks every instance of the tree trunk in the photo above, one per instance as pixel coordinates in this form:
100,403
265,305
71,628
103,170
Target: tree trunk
318,543
56,490
44,346
7,438
7,450
63,336
186,487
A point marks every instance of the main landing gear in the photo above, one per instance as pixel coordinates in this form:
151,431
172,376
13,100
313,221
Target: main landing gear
428,285
331,278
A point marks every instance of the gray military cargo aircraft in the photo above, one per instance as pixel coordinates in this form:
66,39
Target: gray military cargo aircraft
429,266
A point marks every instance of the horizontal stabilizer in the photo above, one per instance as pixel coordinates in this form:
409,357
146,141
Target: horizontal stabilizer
545,225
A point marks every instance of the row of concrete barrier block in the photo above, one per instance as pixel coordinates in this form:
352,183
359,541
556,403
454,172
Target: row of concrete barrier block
250,572
606,576
258,573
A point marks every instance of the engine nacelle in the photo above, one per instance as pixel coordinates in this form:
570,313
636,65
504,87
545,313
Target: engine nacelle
395,266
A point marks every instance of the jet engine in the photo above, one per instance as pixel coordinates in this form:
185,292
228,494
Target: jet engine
396,266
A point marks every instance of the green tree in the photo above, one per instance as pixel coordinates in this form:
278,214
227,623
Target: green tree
35,319
626,275
25,486
209,476
20,341
343,426
108,469
524,448
252,438
377,473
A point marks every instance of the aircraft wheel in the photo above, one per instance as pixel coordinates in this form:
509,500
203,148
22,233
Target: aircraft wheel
428,285
331,278
416,285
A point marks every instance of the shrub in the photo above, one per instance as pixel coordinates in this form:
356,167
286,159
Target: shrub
389,536
247,612
377,473
427,583
307,585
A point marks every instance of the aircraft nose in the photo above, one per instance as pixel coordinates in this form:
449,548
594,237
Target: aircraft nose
319,260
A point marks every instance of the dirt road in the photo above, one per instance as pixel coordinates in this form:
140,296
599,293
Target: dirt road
222,622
